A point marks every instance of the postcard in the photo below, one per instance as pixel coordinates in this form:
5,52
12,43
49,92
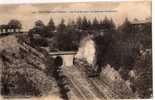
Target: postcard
76,51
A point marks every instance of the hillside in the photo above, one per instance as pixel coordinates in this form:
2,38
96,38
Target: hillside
23,70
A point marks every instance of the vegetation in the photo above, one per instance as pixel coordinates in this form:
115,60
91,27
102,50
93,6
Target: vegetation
124,47
23,72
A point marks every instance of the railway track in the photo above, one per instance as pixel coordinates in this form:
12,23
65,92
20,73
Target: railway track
116,95
104,89
78,88
96,89
77,91
99,90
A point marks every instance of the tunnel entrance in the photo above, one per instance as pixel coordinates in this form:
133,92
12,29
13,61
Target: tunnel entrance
58,61
63,58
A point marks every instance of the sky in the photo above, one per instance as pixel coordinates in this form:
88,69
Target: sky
120,10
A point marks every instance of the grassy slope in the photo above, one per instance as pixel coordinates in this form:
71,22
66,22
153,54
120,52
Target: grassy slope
23,70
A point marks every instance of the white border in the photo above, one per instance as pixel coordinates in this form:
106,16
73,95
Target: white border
153,46
66,1
58,1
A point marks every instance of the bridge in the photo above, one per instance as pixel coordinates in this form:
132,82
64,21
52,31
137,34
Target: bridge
67,56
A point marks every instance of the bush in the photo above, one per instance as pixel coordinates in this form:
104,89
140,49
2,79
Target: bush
25,81
143,80
23,72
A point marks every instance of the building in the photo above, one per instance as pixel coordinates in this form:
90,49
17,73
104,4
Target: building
141,25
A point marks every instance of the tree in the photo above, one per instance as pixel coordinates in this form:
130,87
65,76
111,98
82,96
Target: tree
85,23
72,25
106,24
50,28
37,34
143,80
61,26
126,26
89,24
79,23
95,24
112,24
40,28
39,24
51,25
15,24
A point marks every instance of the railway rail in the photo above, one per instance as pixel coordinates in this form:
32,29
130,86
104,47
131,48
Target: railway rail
97,87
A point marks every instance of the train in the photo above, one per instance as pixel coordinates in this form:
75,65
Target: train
9,29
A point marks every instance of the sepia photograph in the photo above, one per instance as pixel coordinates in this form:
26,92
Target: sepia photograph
76,51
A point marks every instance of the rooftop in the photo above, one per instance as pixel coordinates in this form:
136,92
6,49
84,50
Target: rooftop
141,21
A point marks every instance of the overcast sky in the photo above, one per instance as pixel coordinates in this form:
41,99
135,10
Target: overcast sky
23,12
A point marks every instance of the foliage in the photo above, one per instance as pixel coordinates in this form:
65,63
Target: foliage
51,25
61,27
120,47
143,80
15,24
23,72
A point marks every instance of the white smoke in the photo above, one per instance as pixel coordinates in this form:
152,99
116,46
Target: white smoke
87,50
